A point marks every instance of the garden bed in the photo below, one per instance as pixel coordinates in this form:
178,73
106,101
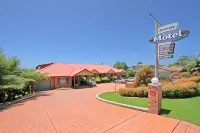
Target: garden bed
186,109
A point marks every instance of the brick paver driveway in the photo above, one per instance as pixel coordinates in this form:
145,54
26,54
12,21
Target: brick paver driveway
69,111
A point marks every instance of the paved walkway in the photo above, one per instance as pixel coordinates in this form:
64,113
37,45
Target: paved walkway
78,111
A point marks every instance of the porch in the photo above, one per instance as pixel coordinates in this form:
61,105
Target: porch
82,80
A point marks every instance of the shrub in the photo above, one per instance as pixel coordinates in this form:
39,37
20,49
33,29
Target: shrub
197,73
177,90
185,74
195,79
163,82
97,80
93,78
163,77
180,90
171,76
134,92
113,78
129,85
105,79
143,76
84,78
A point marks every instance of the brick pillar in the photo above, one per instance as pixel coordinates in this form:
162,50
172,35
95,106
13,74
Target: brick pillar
154,98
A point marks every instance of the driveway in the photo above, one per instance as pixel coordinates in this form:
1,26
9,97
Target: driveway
78,111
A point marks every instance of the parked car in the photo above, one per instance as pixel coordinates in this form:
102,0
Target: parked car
93,83
120,81
130,79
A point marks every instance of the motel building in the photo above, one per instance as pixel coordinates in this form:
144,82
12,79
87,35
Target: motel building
71,75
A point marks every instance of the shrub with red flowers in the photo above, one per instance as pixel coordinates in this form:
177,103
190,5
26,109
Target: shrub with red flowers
185,75
197,73
143,76
173,90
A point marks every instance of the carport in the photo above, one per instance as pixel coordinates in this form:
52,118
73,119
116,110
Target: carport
76,79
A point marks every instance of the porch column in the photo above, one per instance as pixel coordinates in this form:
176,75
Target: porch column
89,80
74,81
78,80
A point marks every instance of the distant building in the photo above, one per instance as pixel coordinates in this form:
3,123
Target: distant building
162,71
139,66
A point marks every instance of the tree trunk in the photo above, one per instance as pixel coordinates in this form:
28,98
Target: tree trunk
14,94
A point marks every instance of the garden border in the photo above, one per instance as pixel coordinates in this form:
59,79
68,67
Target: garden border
121,104
18,100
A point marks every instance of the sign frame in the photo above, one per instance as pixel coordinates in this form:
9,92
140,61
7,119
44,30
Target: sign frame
170,36
168,27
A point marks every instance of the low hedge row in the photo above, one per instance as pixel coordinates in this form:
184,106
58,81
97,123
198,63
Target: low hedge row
134,92
104,79
177,90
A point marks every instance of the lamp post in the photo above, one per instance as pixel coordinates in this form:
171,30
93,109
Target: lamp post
115,87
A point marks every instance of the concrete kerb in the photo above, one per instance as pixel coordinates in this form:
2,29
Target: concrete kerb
18,100
121,104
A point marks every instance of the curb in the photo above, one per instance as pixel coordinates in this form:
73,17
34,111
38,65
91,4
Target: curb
23,98
121,104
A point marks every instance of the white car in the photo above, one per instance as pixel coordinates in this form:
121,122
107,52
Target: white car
120,81
93,83
131,79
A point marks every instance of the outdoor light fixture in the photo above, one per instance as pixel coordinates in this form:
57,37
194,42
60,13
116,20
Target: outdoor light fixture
155,80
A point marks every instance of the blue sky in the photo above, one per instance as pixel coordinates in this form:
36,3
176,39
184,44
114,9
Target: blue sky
93,31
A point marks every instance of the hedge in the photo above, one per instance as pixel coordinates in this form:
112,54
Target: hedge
134,92
105,79
177,90
195,79
97,80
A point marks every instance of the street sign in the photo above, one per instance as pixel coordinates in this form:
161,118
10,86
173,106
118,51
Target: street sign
170,36
166,50
165,57
167,28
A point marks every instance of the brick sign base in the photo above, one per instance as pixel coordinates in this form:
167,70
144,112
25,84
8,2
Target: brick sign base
154,98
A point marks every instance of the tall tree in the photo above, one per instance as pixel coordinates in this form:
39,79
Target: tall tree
139,63
189,63
120,65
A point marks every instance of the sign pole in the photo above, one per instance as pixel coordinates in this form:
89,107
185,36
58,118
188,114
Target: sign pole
156,45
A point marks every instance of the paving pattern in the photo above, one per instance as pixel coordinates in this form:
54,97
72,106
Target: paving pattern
78,111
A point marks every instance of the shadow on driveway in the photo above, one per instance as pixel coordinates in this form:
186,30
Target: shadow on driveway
20,103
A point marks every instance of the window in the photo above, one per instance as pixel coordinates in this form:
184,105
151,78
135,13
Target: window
62,81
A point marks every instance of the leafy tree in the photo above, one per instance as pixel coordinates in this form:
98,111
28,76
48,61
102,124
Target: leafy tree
143,76
14,80
120,65
139,63
32,76
189,63
129,73
182,61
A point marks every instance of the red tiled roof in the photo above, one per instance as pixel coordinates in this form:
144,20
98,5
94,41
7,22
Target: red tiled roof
98,67
68,69
172,69
57,69
177,68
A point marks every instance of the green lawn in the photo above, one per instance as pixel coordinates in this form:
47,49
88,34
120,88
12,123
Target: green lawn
187,109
